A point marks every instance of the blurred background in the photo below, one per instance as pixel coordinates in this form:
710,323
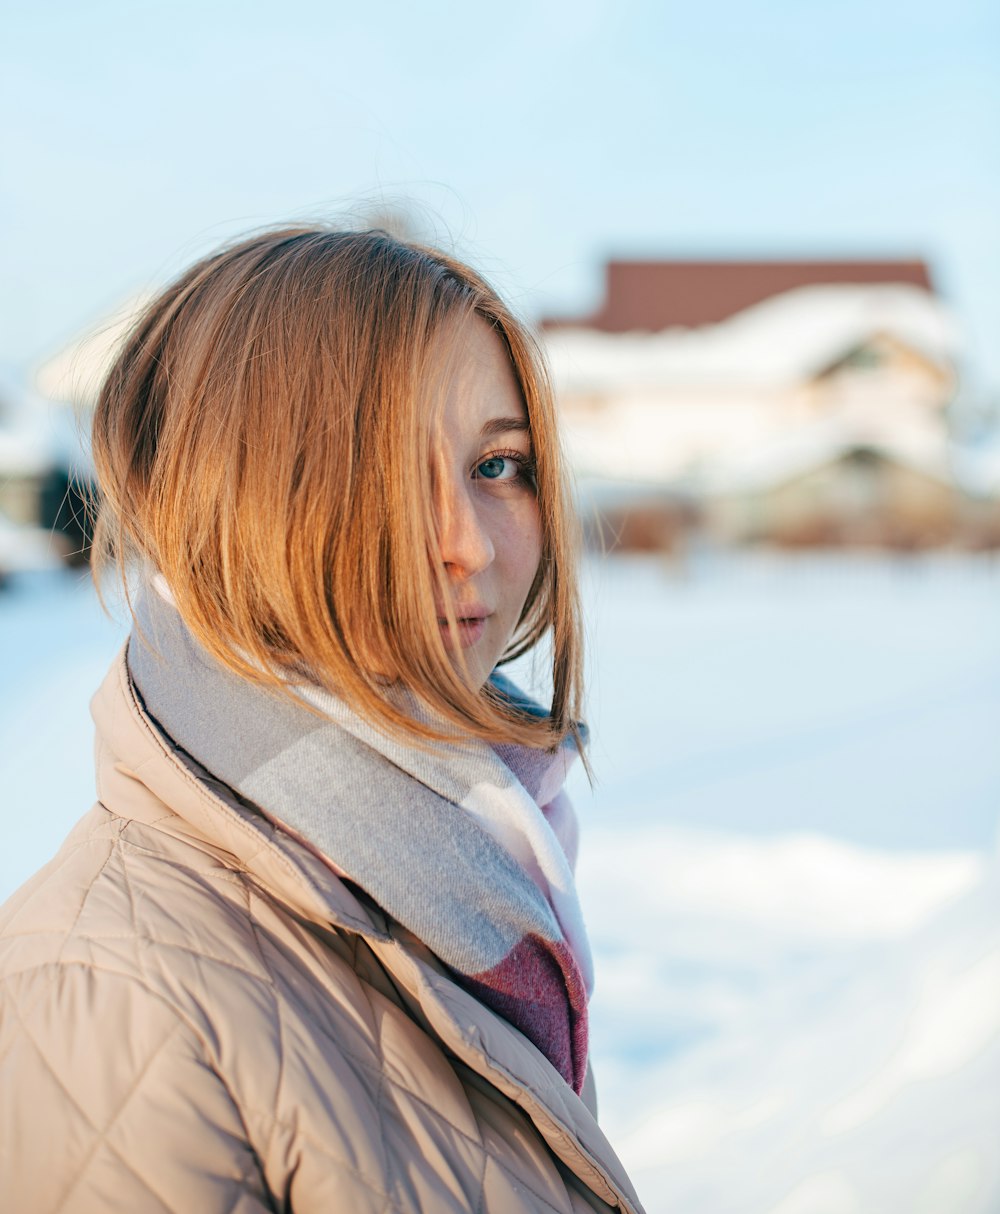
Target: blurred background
761,247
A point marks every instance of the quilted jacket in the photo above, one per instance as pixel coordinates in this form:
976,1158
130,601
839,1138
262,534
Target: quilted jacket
197,1015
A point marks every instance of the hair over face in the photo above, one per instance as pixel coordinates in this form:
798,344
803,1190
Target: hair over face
263,441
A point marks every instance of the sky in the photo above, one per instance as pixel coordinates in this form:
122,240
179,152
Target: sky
535,140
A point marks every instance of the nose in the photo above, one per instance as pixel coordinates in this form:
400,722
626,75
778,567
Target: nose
465,546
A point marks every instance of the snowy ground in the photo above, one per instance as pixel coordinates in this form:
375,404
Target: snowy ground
789,866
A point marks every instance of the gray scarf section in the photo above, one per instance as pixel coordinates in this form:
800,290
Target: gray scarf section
392,817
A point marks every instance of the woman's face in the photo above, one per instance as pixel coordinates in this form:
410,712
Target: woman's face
487,512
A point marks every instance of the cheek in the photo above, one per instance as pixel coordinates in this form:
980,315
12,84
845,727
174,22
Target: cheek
524,547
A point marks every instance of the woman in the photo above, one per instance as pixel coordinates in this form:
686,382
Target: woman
317,947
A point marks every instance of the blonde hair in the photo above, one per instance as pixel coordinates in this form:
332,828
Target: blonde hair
258,441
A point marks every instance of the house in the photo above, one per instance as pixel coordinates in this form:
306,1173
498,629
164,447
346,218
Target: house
826,487
847,365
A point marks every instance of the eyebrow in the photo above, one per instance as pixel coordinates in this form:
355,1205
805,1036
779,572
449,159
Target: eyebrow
503,425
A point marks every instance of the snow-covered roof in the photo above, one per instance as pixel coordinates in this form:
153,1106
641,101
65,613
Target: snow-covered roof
783,340
74,374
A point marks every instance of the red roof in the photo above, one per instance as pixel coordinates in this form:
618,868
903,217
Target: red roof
655,295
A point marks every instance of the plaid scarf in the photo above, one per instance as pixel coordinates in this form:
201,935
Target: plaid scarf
470,847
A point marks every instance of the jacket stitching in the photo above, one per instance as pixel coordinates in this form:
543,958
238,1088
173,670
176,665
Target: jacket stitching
128,1166
52,978
144,938
181,1021
371,1065
298,1132
133,910
101,1132
86,898
482,1174
366,990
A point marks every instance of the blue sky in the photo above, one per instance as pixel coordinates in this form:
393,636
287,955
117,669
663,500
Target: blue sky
537,140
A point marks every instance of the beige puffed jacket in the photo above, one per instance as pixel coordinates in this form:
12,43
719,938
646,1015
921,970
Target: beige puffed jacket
197,1016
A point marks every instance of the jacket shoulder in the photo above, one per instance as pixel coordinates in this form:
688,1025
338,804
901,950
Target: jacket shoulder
110,1072
120,897
152,994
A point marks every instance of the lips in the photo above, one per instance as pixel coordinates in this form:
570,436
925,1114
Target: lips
470,623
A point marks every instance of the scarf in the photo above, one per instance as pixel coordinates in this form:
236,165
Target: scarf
469,846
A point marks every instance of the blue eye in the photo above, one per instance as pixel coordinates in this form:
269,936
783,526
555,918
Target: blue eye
497,468
507,468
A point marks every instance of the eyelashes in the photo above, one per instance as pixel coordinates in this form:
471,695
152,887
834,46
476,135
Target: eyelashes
506,467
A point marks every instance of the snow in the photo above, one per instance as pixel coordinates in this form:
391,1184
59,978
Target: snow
745,1051
786,338
789,866
75,372
22,454
26,548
